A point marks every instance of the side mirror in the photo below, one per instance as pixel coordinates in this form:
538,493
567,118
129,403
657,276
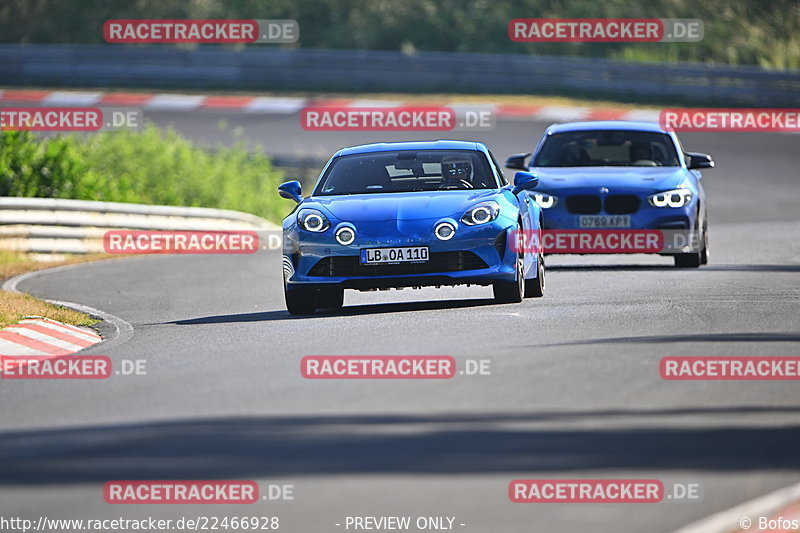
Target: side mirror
698,160
524,181
517,161
291,190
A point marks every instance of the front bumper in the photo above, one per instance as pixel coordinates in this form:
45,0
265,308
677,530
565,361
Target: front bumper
646,217
475,255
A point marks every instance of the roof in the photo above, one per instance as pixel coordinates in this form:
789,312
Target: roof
606,125
414,145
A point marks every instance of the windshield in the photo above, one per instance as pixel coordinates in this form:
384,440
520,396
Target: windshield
605,148
407,171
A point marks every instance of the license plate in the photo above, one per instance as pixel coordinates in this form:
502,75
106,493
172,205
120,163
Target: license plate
605,221
406,254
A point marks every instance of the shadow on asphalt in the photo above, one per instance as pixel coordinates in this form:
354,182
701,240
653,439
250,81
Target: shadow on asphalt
792,336
347,310
258,447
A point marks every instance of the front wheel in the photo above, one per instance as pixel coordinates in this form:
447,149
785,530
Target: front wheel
534,288
704,253
511,292
694,259
300,301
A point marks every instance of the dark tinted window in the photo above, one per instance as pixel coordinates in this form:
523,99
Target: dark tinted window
607,148
405,171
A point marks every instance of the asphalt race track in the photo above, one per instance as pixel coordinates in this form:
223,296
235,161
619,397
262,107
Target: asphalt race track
574,390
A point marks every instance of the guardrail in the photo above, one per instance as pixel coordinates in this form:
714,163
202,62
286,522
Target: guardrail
261,68
50,226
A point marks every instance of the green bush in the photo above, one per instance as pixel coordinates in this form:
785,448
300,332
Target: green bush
151,166
51,169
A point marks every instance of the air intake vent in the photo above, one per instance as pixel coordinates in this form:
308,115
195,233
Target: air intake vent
350,266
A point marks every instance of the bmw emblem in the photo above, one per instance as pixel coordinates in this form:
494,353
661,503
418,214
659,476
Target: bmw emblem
603,190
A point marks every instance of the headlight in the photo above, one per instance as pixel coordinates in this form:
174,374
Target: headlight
312,220
545,200
481,214
345,235
673,198
444,231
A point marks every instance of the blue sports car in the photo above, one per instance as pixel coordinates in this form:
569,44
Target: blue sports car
412,214
620,175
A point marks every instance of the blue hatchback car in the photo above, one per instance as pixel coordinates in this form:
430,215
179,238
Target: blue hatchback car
620,175
412,214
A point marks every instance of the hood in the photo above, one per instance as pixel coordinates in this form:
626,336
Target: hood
616,179
400,205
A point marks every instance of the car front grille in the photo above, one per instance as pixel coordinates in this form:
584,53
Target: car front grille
617,204
350,266
622,204
583,204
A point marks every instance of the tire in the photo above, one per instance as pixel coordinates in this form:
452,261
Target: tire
332,298
534,288
704,252
694,260
511,292
300,301
688,260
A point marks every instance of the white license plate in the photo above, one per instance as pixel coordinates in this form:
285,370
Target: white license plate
406,254
605,221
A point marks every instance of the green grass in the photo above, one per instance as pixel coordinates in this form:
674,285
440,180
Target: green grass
151,166
14,307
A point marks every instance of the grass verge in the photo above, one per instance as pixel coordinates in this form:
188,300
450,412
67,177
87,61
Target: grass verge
14,306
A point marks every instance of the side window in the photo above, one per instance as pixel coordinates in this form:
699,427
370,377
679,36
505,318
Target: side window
497,170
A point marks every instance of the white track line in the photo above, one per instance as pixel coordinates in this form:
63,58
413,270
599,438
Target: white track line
562,113
86,336
375,103
278,106
11,349
66,98
174,102
644,115
42,337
